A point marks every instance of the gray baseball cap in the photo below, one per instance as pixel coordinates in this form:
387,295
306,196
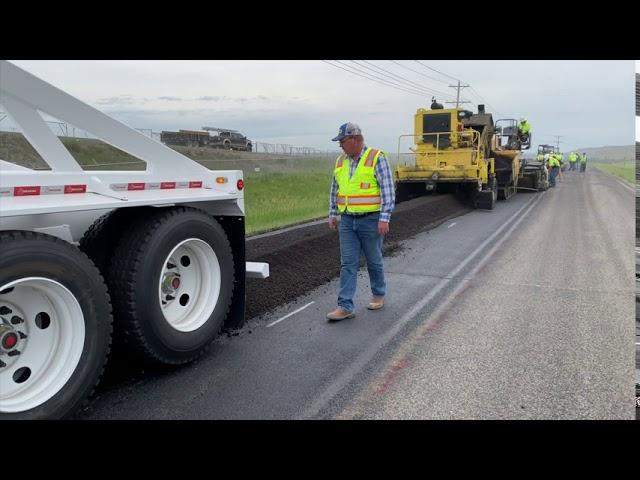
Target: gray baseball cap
346,130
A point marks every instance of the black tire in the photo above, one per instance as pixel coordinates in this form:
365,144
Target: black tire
101,238
29,254
134,275
227,145
486,199
493,186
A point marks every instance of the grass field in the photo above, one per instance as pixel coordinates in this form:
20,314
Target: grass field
624,170
280,190
279,199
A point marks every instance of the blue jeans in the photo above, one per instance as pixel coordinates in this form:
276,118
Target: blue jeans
359,235
553,173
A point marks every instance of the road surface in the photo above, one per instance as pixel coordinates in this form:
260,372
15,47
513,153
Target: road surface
521,312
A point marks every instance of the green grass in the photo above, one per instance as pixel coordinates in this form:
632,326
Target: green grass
624,170
279,199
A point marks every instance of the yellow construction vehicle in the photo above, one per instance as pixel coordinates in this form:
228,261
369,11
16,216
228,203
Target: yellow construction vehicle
455,150
532,173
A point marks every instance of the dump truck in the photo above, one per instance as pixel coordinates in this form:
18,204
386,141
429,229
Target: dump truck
455,150
150,262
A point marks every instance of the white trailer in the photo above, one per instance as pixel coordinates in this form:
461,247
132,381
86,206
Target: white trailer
153,260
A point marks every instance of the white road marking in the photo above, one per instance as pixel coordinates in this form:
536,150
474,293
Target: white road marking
626,185
451,225
289,314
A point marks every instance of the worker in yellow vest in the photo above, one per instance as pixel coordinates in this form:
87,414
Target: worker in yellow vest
524,128
554,168
583,162
562,165
362,193
573,159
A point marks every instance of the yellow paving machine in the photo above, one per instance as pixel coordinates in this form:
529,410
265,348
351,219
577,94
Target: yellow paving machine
455,150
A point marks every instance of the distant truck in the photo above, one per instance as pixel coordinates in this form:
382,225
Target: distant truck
226,138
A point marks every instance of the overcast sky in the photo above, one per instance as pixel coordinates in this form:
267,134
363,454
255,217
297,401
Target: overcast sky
302,103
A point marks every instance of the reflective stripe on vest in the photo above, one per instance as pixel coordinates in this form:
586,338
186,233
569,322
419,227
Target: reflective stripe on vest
360,193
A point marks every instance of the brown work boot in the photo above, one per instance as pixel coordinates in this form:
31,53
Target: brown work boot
340,314
376,303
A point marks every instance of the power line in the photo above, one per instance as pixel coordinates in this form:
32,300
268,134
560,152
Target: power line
484,101
393,81
431,90
419,73
375,80
458,80
390,82
437,71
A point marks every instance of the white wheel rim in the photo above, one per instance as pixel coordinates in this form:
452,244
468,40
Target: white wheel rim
188,302
51,349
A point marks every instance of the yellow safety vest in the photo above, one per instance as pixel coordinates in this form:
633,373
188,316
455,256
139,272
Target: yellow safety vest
360,193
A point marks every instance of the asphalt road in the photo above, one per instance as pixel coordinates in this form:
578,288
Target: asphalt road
520,312
543,331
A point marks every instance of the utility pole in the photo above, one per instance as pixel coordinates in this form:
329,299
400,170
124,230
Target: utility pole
459,87
558,140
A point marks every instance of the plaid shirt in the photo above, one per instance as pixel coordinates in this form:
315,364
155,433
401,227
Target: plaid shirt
384,178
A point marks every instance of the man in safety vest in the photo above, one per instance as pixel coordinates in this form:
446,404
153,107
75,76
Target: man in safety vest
362,193
524,128
554,168
583,162
573,158
563,165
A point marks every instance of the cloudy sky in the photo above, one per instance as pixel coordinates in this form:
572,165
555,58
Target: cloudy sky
302,103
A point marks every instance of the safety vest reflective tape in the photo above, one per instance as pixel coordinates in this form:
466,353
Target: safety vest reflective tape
361,192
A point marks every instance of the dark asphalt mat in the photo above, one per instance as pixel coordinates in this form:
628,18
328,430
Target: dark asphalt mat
305,258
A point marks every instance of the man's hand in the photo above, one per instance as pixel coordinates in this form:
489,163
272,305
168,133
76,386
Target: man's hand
333,223
383,228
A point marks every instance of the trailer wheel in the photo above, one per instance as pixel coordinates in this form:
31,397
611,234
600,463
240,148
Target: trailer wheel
101,238
172,279
55,326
